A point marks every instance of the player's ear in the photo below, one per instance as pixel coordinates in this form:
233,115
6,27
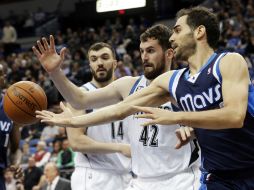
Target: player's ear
169,53
115,64
200,32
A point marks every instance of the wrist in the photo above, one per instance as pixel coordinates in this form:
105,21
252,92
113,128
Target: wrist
55,72
179,118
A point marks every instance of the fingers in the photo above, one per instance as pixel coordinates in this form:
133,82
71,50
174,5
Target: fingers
52,43
44,113
62,106
41,48
148,116
62,53
178,144
36,52
149,122
45,44
142,109
182,134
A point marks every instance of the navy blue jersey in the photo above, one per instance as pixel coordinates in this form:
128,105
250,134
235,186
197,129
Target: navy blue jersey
5,130
227,149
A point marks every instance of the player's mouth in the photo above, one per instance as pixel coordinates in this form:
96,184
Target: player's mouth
101,70
146,65
174,46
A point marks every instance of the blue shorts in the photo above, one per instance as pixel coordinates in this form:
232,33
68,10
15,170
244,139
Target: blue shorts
233,181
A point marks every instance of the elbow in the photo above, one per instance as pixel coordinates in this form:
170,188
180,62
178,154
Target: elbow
237,120
78,102
76,105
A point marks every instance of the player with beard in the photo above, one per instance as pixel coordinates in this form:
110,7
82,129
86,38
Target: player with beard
214,94
96,167
155,161
9,135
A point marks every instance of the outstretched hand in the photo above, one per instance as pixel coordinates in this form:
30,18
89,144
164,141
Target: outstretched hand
47,55
155,115
63,119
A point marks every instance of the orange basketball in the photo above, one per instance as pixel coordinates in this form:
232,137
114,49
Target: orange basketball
22,99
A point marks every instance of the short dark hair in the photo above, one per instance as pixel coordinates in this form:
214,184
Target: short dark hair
158,32
99,45
197,16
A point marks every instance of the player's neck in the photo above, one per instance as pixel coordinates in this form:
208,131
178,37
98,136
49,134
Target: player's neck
102,84
199,58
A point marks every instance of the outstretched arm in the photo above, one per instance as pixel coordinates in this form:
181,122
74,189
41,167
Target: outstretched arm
52,61
235,82
154,95
80,142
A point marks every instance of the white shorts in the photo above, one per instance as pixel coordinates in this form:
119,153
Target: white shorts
93,179
188,180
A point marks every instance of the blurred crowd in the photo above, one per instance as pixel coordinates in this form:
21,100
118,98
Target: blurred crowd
42,144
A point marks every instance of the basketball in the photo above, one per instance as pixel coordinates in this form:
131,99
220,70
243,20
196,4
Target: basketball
22,99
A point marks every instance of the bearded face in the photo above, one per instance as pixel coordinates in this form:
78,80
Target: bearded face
153,58
102,64
154,68
101,74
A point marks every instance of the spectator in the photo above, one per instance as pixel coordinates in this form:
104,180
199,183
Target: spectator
32,174
9,33
41,156
49,132
54,181
66,156
25,155
10,182
122,70
57,147
62,134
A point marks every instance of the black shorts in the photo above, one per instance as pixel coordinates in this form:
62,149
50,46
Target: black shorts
2,183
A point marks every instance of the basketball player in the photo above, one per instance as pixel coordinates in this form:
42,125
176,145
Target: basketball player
9,133
96,167
154,160
215,96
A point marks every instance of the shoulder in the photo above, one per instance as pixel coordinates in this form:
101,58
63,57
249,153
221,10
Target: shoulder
124,85
163,79
232,59
126,80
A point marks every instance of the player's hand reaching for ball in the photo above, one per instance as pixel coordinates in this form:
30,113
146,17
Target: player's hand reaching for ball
63,119
47,55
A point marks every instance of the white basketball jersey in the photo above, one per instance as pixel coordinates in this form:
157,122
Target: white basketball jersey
116,132
152,147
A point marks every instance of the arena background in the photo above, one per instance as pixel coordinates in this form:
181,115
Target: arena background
76,25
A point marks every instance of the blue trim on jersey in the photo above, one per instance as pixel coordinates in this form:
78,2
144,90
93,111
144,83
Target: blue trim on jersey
186,75
85,87
218,72
135,85
93,85
218,68
251,100
171,81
